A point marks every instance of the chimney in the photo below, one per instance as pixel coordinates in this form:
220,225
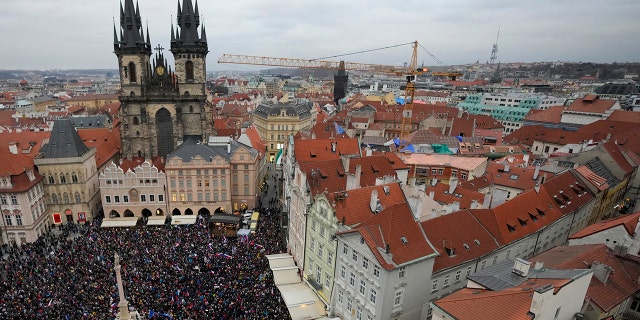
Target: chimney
434,181
345,162
474,204
368,152
333,147
536,173
506,167
601,271
432,194
374,202
486,203
313,135
453,183
540,299
526,160
229,147
353,180
539,265
537,186
460,111
13,147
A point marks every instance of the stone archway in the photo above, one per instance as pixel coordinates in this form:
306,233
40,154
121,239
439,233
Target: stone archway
220,210
176,212
188,212
129,213
114,214
159,212
204,211
146,212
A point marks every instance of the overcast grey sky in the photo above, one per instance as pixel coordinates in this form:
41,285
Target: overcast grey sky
69,34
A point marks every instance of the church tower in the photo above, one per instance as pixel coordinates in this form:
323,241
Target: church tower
189,51
132,50
161,108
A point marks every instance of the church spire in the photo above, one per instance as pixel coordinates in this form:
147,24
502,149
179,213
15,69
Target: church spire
132,35
203,35
173,35
116,43
188,23
148,38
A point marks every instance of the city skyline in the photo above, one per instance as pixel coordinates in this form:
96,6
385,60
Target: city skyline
68,35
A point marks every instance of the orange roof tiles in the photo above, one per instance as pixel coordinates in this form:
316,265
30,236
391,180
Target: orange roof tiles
591,103
467,241
105,140
354,208
256,141
322,149
512,303
464,197
568,194
552,115
597,181
625,116
629,222
396,229
519,217
330,175
621,284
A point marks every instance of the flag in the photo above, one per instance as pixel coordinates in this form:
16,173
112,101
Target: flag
339,129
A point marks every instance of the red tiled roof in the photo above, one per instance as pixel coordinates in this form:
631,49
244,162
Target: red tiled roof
464,197
111,108
321,149
467,241
551,115
29,143
597,181
331,177
517,177
625,116
568,194
395,161
629,222
256,141
396,228
354,208
614,151
105,140
600,129
621,284
512,303
521,216
591,103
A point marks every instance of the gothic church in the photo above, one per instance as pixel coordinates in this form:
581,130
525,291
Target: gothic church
161,107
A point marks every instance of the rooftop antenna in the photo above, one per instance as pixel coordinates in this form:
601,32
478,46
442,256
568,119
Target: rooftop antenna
494,50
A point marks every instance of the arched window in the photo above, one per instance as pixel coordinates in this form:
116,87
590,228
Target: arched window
74,177
188,67
132,72
65,198
77,196
54,198
135,120
63,179
51,180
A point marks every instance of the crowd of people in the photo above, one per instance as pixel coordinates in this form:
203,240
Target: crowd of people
168,272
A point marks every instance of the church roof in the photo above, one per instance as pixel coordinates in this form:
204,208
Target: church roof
64,142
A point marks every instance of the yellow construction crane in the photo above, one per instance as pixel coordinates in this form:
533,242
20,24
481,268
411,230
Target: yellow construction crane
410,72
